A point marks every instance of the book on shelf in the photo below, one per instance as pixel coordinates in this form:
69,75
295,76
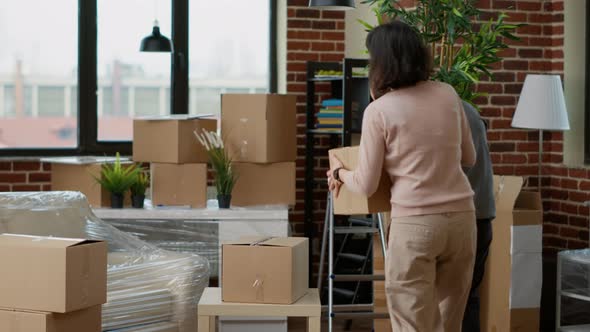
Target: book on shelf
329,126
330,121
332,103
329,115
329,131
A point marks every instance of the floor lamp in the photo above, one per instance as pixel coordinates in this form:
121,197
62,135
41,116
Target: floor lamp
541,106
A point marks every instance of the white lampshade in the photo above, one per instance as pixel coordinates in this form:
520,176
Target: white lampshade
541,104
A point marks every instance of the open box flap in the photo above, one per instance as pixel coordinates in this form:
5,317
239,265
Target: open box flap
268,241
283,241
19,241
506,191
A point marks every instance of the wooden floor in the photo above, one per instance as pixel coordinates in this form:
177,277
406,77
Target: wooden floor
359,325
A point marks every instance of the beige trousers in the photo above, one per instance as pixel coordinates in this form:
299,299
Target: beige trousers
428,271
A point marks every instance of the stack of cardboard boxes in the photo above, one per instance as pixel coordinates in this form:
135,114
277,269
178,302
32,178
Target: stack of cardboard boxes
178,160
259,131
51,284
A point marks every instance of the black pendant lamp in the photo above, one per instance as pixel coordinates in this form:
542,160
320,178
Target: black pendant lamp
156,42
332,4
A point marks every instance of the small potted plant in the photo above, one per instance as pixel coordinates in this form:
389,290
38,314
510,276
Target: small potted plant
140,184
117,179
225,178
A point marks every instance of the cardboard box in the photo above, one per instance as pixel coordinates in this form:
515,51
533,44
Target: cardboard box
265,270
170,139
264,184
77,174
87,320
52,274
259,128
511,289
182,184
349,203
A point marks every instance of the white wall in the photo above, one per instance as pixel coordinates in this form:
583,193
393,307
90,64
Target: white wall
355,33
574,76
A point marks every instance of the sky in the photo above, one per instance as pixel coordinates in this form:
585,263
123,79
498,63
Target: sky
228,38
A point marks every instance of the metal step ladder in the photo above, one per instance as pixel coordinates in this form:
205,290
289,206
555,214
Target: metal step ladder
348,311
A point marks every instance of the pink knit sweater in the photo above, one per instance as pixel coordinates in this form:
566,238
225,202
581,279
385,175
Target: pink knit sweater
421,137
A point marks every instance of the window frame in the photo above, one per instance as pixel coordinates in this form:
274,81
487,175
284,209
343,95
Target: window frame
88,143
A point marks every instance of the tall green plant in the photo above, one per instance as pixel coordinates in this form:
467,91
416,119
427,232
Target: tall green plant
463,48
117,178
225,177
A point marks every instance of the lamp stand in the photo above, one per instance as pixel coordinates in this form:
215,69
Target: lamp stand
540,159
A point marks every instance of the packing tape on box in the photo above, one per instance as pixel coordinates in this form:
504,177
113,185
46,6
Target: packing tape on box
256,243
243,132
259,286
86,277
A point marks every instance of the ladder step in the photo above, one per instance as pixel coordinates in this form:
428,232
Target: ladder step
361,221
348,307
355,230
358,277
343,292
352,257
357,315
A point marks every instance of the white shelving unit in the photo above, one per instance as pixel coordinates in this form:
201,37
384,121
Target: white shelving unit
573,282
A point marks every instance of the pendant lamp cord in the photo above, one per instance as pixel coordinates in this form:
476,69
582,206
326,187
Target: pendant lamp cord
156,13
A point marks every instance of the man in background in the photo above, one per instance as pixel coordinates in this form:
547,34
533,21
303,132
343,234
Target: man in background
482,182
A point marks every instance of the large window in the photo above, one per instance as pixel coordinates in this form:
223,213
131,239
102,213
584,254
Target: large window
38,74
72,77
130,83
228,53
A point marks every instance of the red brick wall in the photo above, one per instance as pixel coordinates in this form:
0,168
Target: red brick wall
312,35
515,152
319,35
24,176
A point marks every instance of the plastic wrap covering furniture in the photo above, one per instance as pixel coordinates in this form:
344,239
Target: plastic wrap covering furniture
146,285
575,290
201,238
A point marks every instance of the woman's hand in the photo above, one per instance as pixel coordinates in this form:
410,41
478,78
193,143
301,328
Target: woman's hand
333,184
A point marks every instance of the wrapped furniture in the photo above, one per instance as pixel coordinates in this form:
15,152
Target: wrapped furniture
573,290
149,289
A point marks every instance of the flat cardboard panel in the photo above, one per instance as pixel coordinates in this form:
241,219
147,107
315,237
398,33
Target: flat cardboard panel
506,191
80,177
170,140
495,289
512,279
259,128
50,276
183,184
264,184
66,177
265,274
349,203
87,320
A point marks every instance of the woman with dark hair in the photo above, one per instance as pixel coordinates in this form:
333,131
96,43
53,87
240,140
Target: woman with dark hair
415,130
